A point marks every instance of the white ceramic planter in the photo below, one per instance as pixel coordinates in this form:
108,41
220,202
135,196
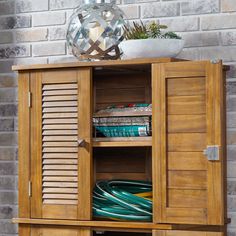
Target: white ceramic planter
139,48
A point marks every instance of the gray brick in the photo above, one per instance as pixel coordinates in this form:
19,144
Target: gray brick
231,232
15,124
15,51
64,4
231,152
32,35
7,124
231,203
231,119
8,110
30,61
57,33
228,38
6,37
138,1
181,24
200,7
8,154
47,49
228,5
218,22
231,88
231,137
8,197
232,72
7,7
31,5
225,53
232,215
160,9
231,169
201,39
7,212
5,67
8,81
8,139
7,183
231,104
8,227
131,11
62,59
8,168
14,22
8,95
231,187
49,18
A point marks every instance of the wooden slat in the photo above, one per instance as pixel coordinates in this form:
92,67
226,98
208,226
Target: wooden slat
187,179
61,161
60,126
60,190
60,98
60,132
60,92
60,167
55,77
60,179
187,198
60,144
60,115
61,184
60,173
60,150
186,86
186,123
60,201
60,121
59,138
186,161
60,155
186,105
59,196
60,86
59,109
60,104
186,142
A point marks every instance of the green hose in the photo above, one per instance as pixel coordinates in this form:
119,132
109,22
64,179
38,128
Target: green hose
116,199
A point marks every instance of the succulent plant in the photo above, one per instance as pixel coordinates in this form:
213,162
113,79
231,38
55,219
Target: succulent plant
144,31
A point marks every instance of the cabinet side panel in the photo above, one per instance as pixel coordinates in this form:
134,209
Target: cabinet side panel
85,178
216,136
24,144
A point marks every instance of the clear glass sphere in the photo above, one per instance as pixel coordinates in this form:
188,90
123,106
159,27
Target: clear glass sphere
95,30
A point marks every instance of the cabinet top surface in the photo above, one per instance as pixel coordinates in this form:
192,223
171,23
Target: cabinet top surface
78,64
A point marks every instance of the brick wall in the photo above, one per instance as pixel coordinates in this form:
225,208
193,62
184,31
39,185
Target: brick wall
33,31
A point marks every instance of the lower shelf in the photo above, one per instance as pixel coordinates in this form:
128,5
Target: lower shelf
113,225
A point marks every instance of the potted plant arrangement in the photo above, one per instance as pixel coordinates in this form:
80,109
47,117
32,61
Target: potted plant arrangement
150,40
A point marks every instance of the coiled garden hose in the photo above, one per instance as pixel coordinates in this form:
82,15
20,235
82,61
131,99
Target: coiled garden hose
123,200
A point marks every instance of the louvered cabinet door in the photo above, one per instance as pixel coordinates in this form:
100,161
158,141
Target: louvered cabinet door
188,117
60,168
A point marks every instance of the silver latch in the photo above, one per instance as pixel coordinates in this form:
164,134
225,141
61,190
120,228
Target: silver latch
212,153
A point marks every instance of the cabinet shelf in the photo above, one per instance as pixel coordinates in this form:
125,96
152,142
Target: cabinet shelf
123,142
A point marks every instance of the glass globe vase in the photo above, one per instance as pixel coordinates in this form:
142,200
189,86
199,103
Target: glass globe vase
95,30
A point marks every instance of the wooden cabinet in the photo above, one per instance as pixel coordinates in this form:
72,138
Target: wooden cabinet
60,159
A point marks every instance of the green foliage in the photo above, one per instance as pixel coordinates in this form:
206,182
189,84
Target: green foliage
151,30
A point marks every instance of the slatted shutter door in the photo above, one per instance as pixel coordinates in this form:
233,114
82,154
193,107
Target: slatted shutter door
187,115
57,162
